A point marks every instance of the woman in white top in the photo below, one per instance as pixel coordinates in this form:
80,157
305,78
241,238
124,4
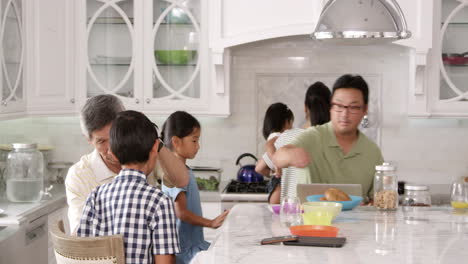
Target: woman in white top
317,109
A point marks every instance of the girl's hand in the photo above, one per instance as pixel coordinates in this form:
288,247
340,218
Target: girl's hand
218,221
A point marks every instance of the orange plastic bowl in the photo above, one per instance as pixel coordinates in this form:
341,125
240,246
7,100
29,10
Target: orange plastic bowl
314,230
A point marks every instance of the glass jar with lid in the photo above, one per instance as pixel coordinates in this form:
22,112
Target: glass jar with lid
416,195
24,173
385,187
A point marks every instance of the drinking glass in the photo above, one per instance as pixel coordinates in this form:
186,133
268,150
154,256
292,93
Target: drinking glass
459,195
290,211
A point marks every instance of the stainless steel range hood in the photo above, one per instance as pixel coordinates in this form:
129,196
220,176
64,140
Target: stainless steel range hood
361,22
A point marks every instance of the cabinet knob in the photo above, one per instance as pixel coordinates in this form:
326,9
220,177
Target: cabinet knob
148,100
72,100
137,101
4,103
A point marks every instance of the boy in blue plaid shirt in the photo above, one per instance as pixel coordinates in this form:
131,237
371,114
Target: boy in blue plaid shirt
129,205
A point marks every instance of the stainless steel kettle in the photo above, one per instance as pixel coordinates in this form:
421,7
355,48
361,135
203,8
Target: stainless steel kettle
247,173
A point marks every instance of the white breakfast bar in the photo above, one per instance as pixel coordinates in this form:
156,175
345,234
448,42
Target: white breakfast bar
412,235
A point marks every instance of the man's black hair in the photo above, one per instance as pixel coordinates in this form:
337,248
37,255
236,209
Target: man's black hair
355,82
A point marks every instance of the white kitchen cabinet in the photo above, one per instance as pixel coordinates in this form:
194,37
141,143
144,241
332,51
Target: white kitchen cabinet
439,87
451,58
28,244
210,210
108,46
421,41
12,57
50,81
236,22
52,219
420,24
152,54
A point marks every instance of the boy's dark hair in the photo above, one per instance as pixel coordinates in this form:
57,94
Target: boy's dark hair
317,100
275,117
179,124
352,81
132,136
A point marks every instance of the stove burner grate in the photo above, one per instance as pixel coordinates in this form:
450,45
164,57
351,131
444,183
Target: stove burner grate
247,187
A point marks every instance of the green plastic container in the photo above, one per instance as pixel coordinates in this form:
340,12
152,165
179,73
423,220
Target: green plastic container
174,56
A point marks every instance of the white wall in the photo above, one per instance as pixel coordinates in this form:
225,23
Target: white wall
427,151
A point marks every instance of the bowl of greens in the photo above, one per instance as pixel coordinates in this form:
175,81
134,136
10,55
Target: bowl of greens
210,184
175,57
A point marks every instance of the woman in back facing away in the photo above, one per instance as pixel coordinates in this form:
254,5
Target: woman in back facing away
181,134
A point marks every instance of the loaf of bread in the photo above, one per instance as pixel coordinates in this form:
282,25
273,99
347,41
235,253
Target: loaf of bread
333,194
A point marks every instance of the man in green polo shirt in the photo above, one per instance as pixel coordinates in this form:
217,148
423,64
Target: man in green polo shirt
336,152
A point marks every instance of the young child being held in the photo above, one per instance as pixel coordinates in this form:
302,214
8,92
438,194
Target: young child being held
278,118
181,134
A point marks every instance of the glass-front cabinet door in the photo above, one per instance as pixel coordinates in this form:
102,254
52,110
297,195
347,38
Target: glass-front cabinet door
176,33
146,52
174,55
12,56
453,90
112,49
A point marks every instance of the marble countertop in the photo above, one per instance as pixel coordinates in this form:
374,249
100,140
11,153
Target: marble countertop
17,214
412,235
214,196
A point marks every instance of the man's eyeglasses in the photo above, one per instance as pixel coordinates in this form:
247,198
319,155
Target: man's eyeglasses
353,109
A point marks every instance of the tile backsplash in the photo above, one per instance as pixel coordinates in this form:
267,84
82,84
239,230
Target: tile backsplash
426,151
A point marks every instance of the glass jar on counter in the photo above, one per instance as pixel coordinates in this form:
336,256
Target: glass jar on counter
459,195
416,195
385,187
24,173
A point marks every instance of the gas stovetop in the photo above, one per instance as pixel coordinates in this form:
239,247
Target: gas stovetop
246,187
245,192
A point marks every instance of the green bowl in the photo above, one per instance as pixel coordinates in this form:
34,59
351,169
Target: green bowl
174,56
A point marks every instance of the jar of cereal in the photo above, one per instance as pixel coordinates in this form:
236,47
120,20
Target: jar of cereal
385,187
